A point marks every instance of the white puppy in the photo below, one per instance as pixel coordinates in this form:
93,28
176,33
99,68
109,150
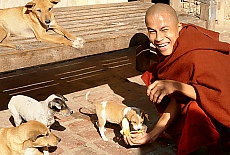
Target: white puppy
26,108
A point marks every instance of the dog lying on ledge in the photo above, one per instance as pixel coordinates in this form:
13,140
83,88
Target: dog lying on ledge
34,20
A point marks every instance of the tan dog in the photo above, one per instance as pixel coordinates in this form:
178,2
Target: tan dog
34,20
24,139
116,113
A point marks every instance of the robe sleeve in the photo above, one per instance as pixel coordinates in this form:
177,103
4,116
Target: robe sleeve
150,75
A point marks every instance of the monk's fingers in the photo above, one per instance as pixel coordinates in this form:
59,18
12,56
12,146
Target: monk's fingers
129,141
150,89
155,92
136,135
134,142
157,95
154,96
161,96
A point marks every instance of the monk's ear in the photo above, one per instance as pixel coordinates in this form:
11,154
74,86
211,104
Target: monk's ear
179,26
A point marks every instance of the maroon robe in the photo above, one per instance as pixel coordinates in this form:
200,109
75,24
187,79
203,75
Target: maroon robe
201,60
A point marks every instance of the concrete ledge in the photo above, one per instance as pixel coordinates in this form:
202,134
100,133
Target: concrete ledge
105,27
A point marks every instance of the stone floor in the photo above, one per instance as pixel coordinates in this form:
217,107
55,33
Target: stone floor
110,76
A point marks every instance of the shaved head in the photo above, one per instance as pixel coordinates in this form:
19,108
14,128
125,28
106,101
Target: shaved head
161,8
163,27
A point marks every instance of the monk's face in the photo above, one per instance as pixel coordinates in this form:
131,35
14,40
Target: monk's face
163,32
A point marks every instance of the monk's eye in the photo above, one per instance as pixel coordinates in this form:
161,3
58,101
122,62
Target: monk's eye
164,30
152,31
38,10
49,9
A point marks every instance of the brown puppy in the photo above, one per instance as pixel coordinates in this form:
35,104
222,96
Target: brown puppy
25,138
116,113
34,20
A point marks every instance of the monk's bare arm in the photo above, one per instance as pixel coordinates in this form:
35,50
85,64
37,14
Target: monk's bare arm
187,90
160,88
166,119
170,114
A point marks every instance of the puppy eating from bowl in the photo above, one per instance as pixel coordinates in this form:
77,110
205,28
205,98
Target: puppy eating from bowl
129,118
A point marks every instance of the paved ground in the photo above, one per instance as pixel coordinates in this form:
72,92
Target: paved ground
110,76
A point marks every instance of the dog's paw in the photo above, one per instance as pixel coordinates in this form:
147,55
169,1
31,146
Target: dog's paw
104,138
78,43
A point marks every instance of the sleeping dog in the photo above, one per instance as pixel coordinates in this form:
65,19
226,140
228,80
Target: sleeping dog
119,114
25,139
26,108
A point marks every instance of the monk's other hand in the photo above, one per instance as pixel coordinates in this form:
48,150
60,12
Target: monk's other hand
137,139
160,88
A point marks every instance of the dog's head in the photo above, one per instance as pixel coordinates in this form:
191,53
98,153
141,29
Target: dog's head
36,134
136,118
42,10
57,103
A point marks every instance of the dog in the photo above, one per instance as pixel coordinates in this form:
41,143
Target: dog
26,108
34,20
118,114
26,138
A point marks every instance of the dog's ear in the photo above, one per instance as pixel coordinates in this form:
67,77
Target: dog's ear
33,135
52,104
54,1
30,5
27,144
145,115
62,97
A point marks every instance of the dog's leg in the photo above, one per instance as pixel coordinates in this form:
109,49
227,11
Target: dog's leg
60,30
17,119
44,36
60,40
77,41
16,116
102,132
101,127
4,37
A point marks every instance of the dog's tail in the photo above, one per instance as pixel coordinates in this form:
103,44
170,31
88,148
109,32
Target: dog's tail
86,111
87,96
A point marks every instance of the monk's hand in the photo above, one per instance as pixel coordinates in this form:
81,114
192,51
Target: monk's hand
137,139
160,88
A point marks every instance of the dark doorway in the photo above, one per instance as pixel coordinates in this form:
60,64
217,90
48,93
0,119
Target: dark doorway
161,1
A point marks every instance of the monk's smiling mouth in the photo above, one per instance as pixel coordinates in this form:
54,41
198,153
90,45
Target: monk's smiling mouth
160,46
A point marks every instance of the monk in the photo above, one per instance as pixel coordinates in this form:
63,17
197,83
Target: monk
190,85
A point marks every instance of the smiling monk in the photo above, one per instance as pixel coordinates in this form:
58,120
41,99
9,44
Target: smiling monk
190,85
